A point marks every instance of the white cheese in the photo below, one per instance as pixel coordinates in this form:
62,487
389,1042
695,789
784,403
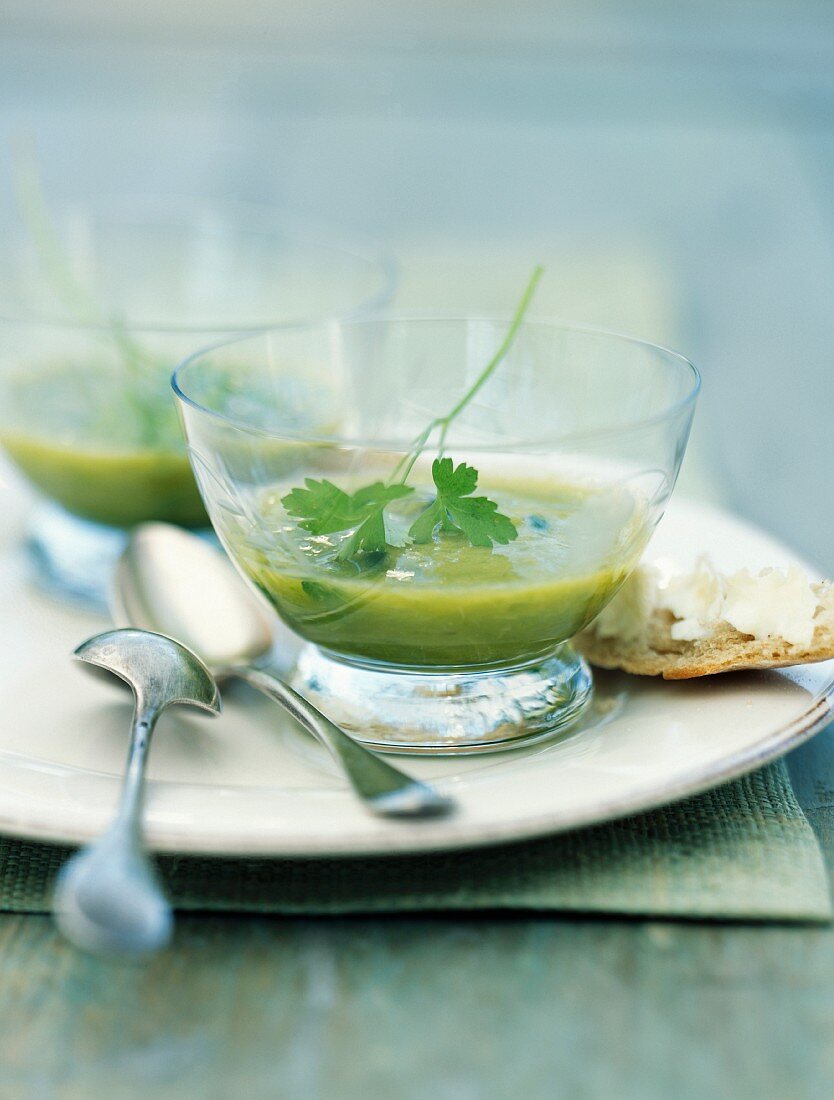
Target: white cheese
773,604
695,599
625,616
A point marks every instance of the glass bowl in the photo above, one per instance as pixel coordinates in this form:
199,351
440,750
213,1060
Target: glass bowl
437,622
97,310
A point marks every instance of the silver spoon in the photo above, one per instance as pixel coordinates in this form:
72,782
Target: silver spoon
174,582
107,897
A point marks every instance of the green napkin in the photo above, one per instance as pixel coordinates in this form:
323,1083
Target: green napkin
742,851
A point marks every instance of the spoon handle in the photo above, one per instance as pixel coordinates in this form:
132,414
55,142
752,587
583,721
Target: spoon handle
107,898
129,812
383,788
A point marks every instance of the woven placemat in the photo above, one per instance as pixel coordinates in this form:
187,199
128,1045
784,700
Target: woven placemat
742,851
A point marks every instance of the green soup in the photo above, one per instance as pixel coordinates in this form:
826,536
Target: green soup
448,603
120,488
108,446
103,449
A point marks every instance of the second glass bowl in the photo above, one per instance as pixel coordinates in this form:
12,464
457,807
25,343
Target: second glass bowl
97,314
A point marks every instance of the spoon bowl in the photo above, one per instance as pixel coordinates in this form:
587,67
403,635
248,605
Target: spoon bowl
152,664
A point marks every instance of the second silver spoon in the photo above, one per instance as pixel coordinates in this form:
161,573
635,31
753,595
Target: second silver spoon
175,583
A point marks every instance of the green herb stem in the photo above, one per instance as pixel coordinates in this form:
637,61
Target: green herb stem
498,358
78,299
29,195
321,507
406,464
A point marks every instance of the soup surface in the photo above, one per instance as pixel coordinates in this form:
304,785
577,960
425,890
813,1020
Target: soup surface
446,602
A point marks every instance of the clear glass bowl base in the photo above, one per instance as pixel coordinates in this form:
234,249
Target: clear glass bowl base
72,558
452,712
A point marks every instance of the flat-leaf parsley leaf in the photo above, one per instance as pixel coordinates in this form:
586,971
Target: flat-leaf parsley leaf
322,508
455,509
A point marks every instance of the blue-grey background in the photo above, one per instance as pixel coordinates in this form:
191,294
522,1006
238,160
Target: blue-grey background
672,163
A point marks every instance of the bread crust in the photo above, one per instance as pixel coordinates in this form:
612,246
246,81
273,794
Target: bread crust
656,653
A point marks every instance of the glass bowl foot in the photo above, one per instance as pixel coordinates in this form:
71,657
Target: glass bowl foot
449,712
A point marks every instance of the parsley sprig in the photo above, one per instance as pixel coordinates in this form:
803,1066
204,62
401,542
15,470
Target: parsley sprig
454,509
322,508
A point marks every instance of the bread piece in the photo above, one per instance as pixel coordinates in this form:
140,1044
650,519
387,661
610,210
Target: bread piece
656,653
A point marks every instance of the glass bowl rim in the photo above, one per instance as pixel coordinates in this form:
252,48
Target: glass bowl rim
401,444
265,218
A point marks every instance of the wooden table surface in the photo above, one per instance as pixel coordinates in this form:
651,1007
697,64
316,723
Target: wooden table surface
450,1008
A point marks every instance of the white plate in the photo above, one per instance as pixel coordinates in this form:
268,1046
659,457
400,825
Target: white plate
249,783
